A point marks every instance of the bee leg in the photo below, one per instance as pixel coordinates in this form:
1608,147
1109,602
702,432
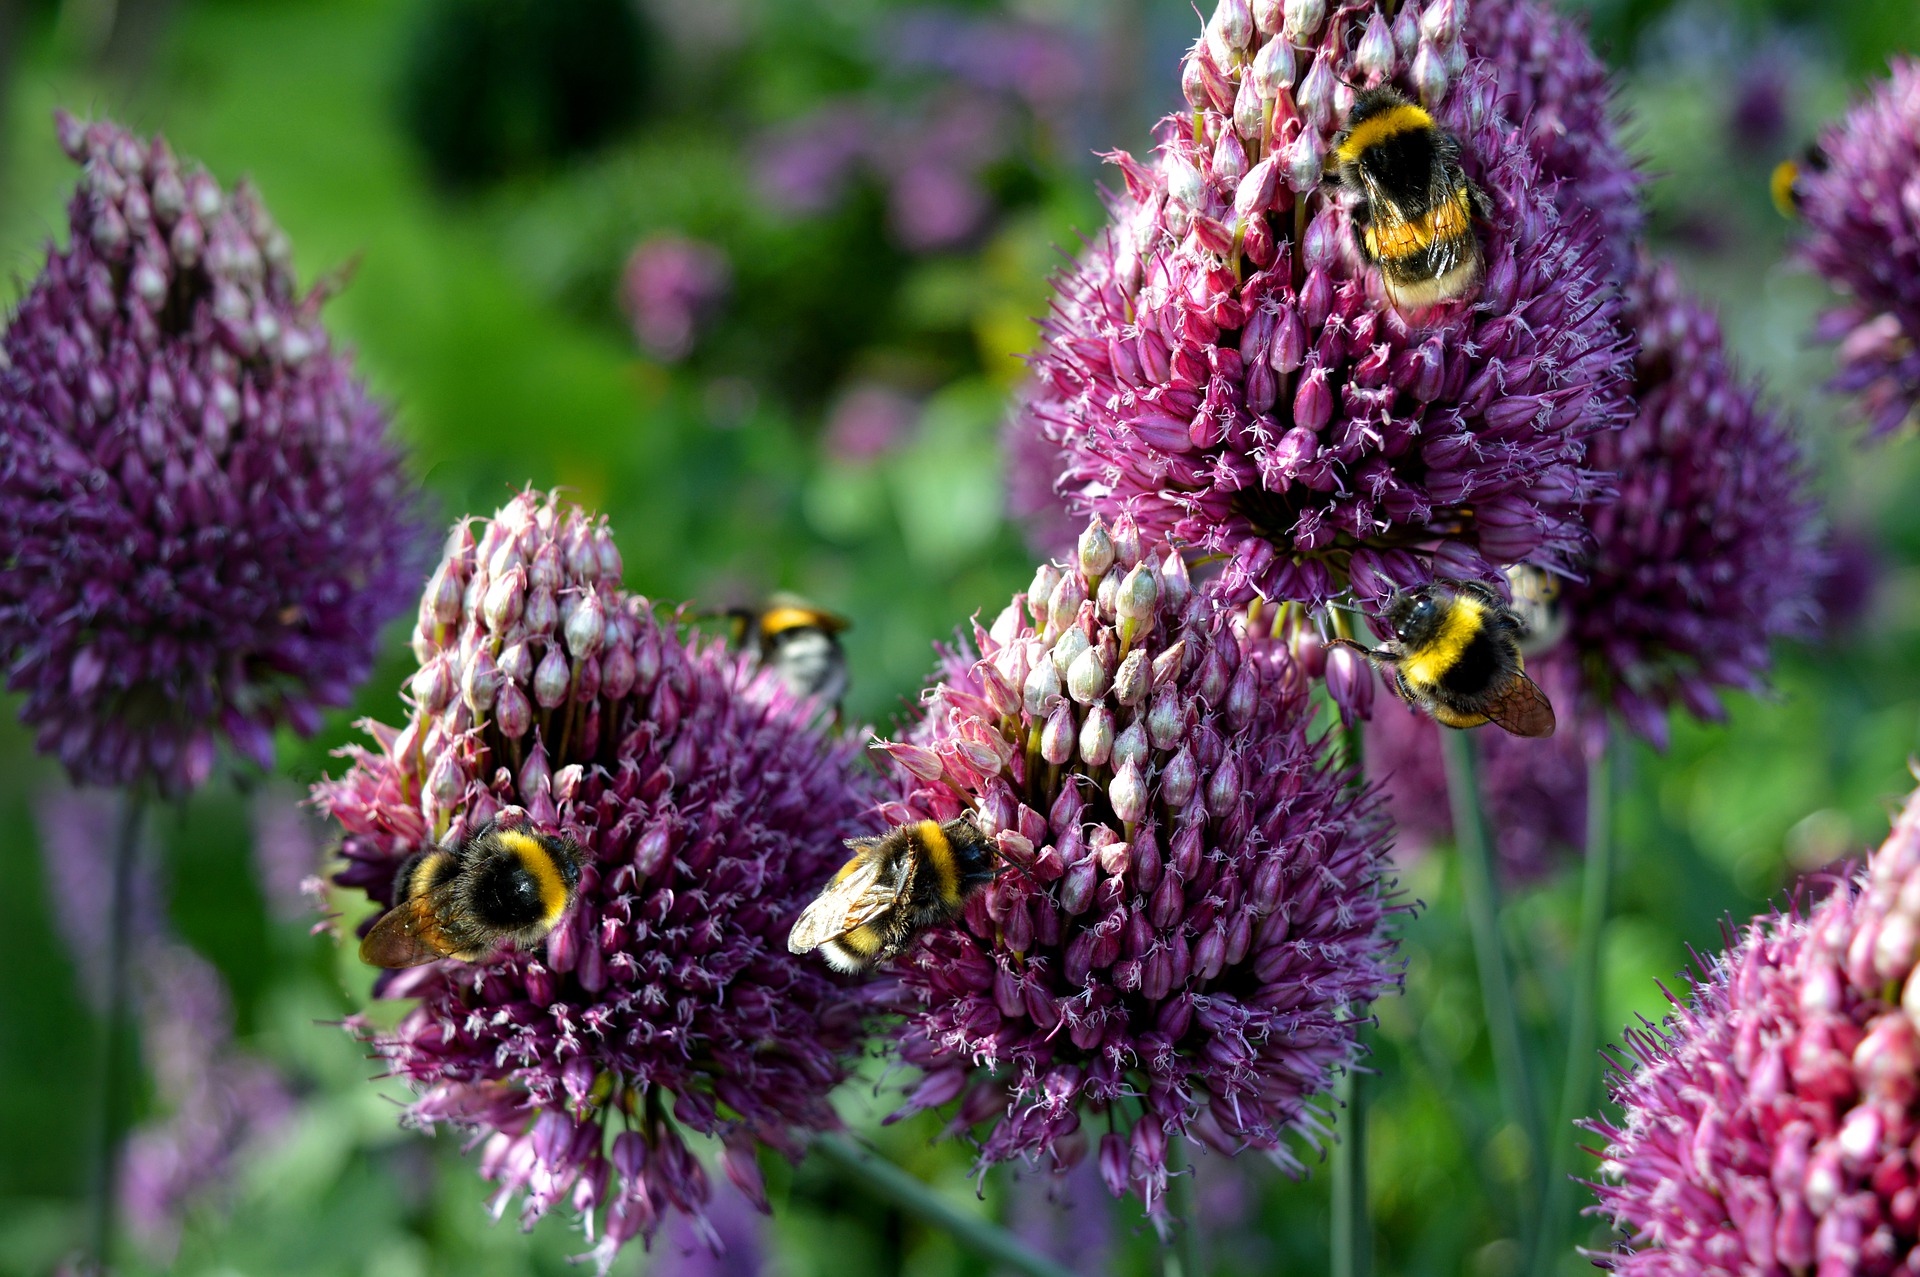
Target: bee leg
1360,216
1482,206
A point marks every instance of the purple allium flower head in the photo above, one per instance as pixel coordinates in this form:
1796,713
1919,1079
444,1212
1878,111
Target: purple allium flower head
1193,915
222,1105
1863,220
1564,93
1769,1125
1218,363
206,520
1535,791
868,420
1711,550
671,288
710,808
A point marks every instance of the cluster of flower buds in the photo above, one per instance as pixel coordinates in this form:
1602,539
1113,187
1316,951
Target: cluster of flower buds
1863,214
1221,365
205,521
1771,1126
1192,911
710,807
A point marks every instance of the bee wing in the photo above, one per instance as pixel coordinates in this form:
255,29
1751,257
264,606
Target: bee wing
409,933
858,894
1522,708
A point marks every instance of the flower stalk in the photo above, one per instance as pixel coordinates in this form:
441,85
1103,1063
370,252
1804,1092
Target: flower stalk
1483,920
888,1182
117,1039
1576,1094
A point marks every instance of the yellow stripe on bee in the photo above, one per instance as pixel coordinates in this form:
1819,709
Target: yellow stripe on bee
539,862
940,856
1461,625
862,940
1376,129
1780,184
1392,240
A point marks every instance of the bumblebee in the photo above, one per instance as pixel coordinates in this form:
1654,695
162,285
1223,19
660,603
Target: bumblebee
897,885
800,641
499,886
1455,654
1413,218
1785,183
1539,601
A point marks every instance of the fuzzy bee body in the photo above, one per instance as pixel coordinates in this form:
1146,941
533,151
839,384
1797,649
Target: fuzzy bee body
1456,654
800,642
1413,218
895,886
1787,181
499,886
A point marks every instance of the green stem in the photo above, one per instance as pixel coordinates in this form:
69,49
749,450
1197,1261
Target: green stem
1490,954
116,1031
1183,1256
1352,1229
1352,1226
892,1184
1583,1027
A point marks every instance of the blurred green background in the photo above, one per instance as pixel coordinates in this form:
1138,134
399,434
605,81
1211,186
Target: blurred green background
824,419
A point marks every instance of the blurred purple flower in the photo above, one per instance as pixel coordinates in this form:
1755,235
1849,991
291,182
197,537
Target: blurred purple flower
1768,1126
78,829
1039,64
218,1104
223,1106
1194,913
868,420
1563,94
206,520
671,289
287,850
1030,461
1535,791
805,166
1711,550
730,1241
1066,1217
1855,569
1760,111
1218,365
1863,220
711,809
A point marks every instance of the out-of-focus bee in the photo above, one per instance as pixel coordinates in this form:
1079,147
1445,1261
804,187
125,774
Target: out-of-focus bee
1455,654
800,641
1786,183
499,886
1414,215
910,878
1539,601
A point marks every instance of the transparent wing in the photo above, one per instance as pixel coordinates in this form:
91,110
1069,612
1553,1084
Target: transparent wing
1522,708
858,894
409,933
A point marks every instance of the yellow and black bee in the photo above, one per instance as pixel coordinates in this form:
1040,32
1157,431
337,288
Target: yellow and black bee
1455,654
910,878
800,641
1414,215
1539,600
1785,184
500,886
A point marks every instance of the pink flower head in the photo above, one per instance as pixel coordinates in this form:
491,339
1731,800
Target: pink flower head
1769,1125
710,807
1220,364
1191,914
